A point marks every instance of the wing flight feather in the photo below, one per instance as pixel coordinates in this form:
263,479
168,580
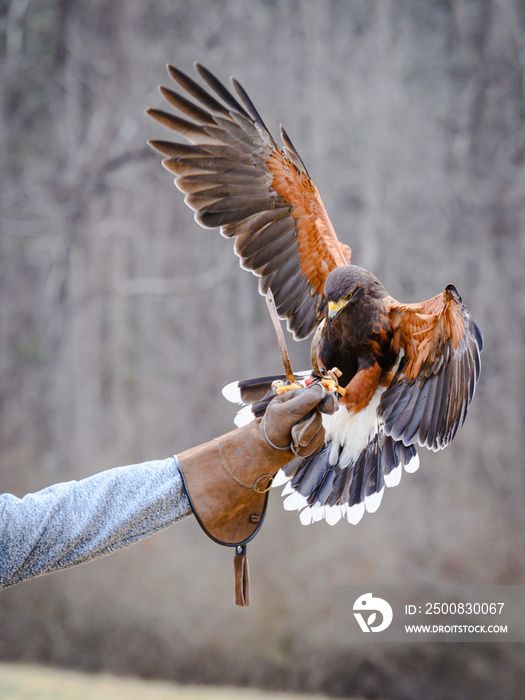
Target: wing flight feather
428,398
236,178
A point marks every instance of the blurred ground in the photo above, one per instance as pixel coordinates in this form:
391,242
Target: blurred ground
21,682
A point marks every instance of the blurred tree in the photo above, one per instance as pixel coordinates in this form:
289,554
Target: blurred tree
411,119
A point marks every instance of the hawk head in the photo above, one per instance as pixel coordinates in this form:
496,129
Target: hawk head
351,284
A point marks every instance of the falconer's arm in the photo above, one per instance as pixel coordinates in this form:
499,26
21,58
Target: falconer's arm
74,522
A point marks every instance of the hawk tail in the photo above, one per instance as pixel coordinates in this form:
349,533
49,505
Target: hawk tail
341,483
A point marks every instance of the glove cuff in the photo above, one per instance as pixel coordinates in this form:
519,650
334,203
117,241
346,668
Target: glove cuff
227,481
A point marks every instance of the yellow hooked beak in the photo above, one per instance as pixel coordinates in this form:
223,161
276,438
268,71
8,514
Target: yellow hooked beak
334,307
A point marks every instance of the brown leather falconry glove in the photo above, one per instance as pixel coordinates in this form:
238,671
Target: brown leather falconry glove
228,479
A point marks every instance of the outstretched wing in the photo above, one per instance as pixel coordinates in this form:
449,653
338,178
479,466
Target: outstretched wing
236,177
428,398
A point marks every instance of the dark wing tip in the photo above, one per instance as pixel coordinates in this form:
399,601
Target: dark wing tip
175,73
155,145
291,151
248,103
478,335
451,292
159,115
219,88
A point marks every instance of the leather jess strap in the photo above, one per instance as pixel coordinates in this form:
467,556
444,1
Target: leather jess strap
242,580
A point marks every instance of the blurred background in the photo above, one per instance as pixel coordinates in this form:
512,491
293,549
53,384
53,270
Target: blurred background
121,319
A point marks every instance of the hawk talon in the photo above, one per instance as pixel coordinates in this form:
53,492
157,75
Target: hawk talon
329,380
331,383
280,386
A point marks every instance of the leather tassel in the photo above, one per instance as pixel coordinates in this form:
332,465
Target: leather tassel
242,582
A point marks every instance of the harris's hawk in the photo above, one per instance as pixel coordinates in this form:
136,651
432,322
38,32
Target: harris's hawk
408,371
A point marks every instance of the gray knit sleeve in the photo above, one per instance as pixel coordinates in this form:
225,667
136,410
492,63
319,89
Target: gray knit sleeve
73,522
